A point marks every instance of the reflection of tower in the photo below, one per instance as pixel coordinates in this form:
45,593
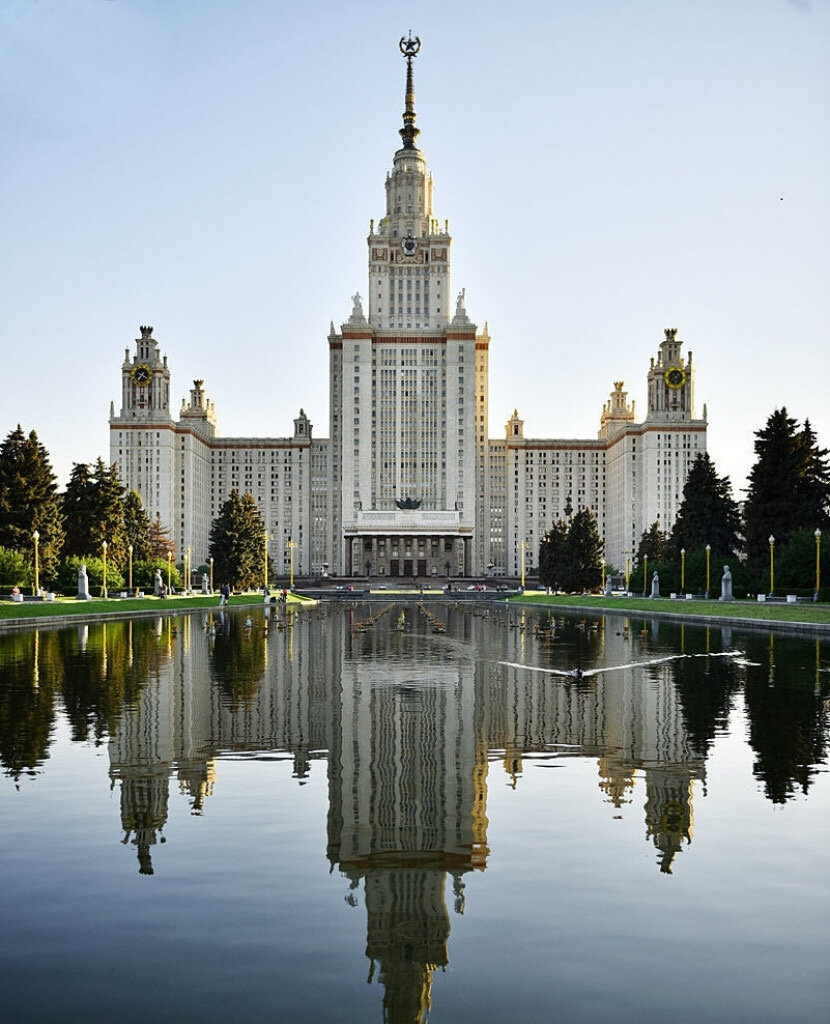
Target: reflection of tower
669,817
407,932
407,804
144,800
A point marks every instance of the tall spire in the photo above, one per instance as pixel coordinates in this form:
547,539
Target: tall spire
409,133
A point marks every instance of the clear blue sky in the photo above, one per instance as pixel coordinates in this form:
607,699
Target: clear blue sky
608,169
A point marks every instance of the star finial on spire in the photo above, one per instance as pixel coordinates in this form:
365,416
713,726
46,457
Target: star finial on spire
409,133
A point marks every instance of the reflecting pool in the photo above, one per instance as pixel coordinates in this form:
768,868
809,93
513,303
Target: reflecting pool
400,814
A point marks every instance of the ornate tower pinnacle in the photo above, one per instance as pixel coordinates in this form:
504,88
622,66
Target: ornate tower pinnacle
409,133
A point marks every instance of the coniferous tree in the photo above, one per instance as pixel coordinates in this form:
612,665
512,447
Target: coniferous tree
93,509
236,542
29,501
570,554
653,543
708,514
553,556
585,551
136,526
789,487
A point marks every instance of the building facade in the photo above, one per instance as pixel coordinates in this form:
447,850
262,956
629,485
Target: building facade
408,483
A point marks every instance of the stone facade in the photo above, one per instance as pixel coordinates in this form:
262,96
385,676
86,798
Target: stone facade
408,482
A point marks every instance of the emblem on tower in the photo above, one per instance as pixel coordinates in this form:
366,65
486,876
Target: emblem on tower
409,47
409,133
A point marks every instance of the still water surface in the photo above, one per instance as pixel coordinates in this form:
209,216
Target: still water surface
222,820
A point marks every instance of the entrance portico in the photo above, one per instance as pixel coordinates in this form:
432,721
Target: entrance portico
407,543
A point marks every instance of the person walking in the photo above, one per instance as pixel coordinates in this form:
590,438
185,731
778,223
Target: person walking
225,594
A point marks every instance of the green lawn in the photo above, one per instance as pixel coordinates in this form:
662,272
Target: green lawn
71,606
760,611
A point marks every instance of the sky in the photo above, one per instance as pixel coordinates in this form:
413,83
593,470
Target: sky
608,169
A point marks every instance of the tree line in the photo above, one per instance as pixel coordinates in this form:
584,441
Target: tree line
787,499
49,533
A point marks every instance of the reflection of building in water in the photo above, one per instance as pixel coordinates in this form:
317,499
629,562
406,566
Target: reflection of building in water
407,806
179,725
630,719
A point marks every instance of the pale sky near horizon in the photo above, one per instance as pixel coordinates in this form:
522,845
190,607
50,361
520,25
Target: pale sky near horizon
608,169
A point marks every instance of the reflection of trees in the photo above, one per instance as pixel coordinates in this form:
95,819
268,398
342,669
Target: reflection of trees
705,688
29,671
105,666
237,659
788,718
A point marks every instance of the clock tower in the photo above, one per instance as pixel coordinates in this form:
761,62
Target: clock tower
142,435
145,382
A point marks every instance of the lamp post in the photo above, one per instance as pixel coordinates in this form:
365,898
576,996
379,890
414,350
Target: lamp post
169,568
603,575
645,575
264,560
771,564
36,539
523,565
627,570
104,578
708,556
290,547
211,574
187,571
682,570
130,574
818,560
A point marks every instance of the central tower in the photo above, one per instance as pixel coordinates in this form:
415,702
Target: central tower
408,393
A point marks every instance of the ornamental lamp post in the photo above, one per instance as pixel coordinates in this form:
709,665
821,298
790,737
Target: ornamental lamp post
104,546
290,545
169,568
603,575
211,574
627,570
818,536
523,564
264,560
708,556
645,575
130,556
771,564
187,571
682,570
36,539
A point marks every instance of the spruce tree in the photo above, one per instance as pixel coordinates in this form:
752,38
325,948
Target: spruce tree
93,509
653,543
29,501
708,514
585,552
553,556
237,539
789,488
136,526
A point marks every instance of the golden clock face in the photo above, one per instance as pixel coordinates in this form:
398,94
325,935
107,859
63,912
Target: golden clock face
675,377
142,375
